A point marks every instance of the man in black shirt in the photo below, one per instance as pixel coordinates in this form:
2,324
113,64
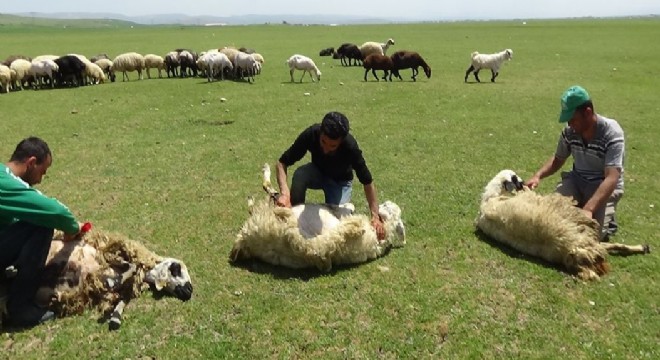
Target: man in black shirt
335,154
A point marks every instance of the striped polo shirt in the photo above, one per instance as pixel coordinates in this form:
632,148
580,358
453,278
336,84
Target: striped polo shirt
604,150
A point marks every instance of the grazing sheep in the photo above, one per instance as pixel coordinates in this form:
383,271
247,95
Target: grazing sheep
488,61
10,59
104,271
106,66
348,51
327,52
213,63
152,61
98,57
44,69
5,77
22,69
375,62
372,47
130,61
260,59
301,62
95,73
245,64
314,235
187,61
409,60
547,226
70,70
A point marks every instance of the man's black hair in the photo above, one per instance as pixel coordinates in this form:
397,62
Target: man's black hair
586,104
32,146
335,125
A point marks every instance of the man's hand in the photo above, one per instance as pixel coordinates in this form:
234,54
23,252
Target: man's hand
378,226
533,182
283,200
589,213
76,236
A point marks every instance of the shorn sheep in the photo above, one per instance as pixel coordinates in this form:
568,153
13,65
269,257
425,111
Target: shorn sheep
301,62
550,227
153,61
488,61
347,52
409,60
314,235
372,47
104,271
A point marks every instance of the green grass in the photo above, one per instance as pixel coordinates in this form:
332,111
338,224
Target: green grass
152,159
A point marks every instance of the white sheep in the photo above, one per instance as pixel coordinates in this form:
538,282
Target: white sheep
213,63
372,47
488,61
550,227
245,64
43,69
45,57
5,77
152,61
130,61
106,66
301,62
260,59
104,271
95,73
314,235
22,69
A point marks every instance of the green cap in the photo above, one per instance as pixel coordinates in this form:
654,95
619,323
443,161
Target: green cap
570,100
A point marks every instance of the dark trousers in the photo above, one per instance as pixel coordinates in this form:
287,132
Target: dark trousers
25,246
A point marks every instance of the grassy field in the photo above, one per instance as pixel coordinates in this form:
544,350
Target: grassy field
166,162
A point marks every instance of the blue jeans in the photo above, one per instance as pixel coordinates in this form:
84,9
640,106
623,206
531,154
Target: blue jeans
308,176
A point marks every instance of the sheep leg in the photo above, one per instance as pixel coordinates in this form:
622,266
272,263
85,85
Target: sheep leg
625,250
303,75
291,73
476,75
385,75
415,71
148,73
365,74
116,317
266,184
373,71
495,73
467,73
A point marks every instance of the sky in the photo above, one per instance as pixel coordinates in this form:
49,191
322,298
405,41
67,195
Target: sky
414,9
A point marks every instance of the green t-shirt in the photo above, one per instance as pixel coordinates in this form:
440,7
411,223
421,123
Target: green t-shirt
21,202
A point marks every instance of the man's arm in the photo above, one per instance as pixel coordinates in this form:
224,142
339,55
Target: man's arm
285,197
604,191
372,200
550,167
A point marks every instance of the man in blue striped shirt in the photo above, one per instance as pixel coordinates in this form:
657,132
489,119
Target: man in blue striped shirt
597,146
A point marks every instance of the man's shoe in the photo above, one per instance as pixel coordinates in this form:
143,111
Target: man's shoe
30,315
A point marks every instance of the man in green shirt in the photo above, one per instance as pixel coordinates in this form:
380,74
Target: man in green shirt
27,221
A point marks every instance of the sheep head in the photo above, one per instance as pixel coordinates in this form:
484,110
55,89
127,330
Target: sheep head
508,54
589,263
171,275
390,213
506,181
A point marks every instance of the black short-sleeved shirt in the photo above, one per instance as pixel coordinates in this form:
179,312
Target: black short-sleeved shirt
339,165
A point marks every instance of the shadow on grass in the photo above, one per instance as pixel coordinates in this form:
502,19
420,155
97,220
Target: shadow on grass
284,273
515,254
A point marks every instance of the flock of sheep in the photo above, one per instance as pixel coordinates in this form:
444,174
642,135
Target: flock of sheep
20,71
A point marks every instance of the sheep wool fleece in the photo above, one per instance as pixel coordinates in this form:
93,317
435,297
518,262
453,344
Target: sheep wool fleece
20,201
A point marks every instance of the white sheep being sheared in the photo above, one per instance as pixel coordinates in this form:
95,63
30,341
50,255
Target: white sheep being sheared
550,227
488,61
314,235
301,62
104,271
372,47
